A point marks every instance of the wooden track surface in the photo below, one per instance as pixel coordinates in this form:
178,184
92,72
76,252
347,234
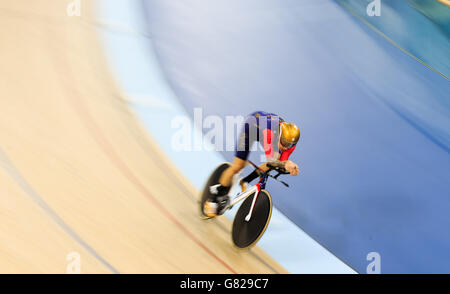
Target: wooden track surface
77,171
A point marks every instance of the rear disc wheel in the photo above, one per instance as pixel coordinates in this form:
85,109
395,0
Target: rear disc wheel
246,234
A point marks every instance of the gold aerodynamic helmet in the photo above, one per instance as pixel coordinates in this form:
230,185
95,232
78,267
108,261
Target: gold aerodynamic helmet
289,134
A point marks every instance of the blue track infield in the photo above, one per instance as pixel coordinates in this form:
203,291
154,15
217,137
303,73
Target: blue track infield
375,122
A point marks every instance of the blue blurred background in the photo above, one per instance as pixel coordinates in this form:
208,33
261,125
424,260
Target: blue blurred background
370,94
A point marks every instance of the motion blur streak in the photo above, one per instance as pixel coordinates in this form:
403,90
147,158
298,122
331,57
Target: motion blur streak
86,177
15,174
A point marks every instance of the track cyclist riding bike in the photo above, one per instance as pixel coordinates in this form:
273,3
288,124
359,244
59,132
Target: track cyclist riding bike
279,139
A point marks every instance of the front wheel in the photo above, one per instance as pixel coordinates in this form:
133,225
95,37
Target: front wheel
244,233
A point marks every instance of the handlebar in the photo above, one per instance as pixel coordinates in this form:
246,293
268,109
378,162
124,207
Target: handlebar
277,166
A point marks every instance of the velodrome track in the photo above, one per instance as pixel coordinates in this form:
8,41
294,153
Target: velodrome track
77,171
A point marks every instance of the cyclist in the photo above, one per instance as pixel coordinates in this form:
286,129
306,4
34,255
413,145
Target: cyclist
278,138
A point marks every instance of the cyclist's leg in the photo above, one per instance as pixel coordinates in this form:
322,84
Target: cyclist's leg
227,176
219,192
247,137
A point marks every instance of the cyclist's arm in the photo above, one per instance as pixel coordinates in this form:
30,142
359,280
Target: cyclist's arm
290,166
253,175
285,155
284,161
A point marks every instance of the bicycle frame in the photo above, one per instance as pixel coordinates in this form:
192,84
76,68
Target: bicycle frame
253,189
